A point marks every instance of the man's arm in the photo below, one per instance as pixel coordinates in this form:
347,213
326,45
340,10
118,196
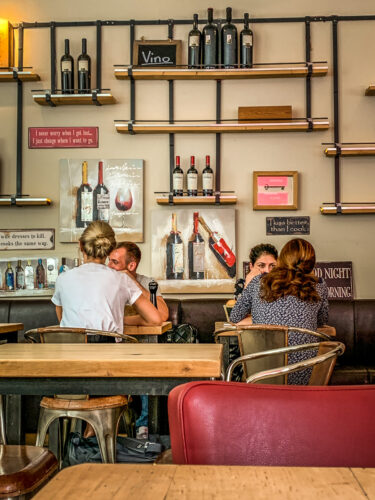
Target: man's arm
59,313
147,313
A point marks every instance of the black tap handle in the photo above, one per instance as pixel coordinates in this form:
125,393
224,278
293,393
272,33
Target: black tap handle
153,287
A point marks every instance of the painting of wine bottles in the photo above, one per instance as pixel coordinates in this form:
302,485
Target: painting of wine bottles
193,250
108,190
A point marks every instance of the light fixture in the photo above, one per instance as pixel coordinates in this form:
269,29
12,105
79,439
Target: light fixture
6,44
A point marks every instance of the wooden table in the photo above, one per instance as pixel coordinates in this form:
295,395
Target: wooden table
147,333
9,331
123,481
100,369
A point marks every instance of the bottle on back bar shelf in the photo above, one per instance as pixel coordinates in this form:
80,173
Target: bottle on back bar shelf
210,42
175,253
178,179
208,179
67,71
195,45
20,276
229,42
192,178
29,276
221,250
9,278
101,198
64,267
246,44
196,252
40,275
84,70
84,214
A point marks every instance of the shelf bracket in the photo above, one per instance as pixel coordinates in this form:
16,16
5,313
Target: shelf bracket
310,123
217,197
338,149
130,72
49,100
170,199
15,74
130,127
339,208
94,96
13,200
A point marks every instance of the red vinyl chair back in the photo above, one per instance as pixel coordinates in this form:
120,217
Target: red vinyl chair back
225,423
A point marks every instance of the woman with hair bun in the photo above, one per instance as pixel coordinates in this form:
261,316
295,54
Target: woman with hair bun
94,295
290,295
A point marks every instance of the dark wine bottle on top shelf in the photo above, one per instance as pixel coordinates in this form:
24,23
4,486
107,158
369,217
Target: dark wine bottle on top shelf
229,42
246,44
9,278
67,71
175,253
210,42
153,287
195,45
84,70
20,276
208,179
192,178
178,179
220,249
196,252
84,214
101,198
40,275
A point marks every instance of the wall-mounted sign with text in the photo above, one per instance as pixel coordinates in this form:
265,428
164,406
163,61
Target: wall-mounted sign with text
287,225
339,279
27,239
63,137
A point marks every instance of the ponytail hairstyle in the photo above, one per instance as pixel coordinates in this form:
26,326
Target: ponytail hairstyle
294,274
98,240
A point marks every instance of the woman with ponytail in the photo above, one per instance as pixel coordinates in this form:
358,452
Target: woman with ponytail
290,295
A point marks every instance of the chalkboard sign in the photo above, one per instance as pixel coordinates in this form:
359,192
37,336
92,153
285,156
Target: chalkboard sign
157,53
287,225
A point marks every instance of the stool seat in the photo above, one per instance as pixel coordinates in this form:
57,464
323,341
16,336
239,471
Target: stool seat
24,468
84,404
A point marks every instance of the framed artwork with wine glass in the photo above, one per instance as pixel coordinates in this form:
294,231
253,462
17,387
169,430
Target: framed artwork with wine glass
275,190
194,251
99,189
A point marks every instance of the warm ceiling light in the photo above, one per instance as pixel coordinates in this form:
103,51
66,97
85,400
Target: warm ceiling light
6,44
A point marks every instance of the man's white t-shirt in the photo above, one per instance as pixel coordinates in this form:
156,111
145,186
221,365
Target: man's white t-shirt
94,296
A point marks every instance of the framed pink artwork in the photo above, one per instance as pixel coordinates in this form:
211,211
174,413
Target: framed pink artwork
275,190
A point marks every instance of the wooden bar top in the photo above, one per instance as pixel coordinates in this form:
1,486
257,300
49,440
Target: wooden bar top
195,482
111,360
10,327
147,330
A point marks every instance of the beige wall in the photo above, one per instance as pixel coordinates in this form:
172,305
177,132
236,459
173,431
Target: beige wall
335,238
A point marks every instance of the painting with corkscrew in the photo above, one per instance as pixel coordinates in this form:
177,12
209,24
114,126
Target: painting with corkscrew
193,250
108,190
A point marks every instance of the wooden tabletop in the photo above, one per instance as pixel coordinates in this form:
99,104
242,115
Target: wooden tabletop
125,481
10,327
147,330
110,360
329,330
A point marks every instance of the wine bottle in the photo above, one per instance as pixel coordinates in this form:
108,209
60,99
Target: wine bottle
208,179
192,178
84,70
20,276
229,42
84,214
153,287
101,198
178,179
40,275
195,44
246,44
175,253
67,71
51,272
196,252
9,278
210,42
221,250
29,276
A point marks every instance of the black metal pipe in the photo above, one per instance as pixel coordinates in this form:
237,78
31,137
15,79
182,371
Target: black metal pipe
171,116
218,138
336,124
53,57
99,55
308,60
132,82
19,138
20,47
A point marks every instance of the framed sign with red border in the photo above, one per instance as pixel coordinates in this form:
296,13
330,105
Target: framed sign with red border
63,137
275,190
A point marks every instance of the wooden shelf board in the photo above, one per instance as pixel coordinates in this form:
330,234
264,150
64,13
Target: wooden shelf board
24,202
348,209
370,90
352,150
271,71
74,99
225,199
25,76
279,126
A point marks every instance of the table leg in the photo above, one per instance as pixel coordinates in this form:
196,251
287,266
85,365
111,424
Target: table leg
13,419
154,415
53,437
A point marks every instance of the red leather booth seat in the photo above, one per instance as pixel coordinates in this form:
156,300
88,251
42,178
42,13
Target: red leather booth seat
221,423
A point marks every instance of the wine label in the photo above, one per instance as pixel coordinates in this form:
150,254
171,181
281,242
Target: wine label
208,181
66,65
20,280
9,281
192,182
247,40
52,273
178,257
207,40
178,181
194,41
29,278
198,257
86,206
102,203
83,65
229,38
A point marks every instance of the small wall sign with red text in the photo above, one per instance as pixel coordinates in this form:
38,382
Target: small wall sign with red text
63,137
339,279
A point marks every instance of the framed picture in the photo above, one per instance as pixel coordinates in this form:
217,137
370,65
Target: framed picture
275,190
157,53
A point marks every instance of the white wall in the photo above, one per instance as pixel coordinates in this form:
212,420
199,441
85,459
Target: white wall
335,238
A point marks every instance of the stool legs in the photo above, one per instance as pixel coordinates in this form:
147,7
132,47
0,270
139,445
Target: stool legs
2,422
